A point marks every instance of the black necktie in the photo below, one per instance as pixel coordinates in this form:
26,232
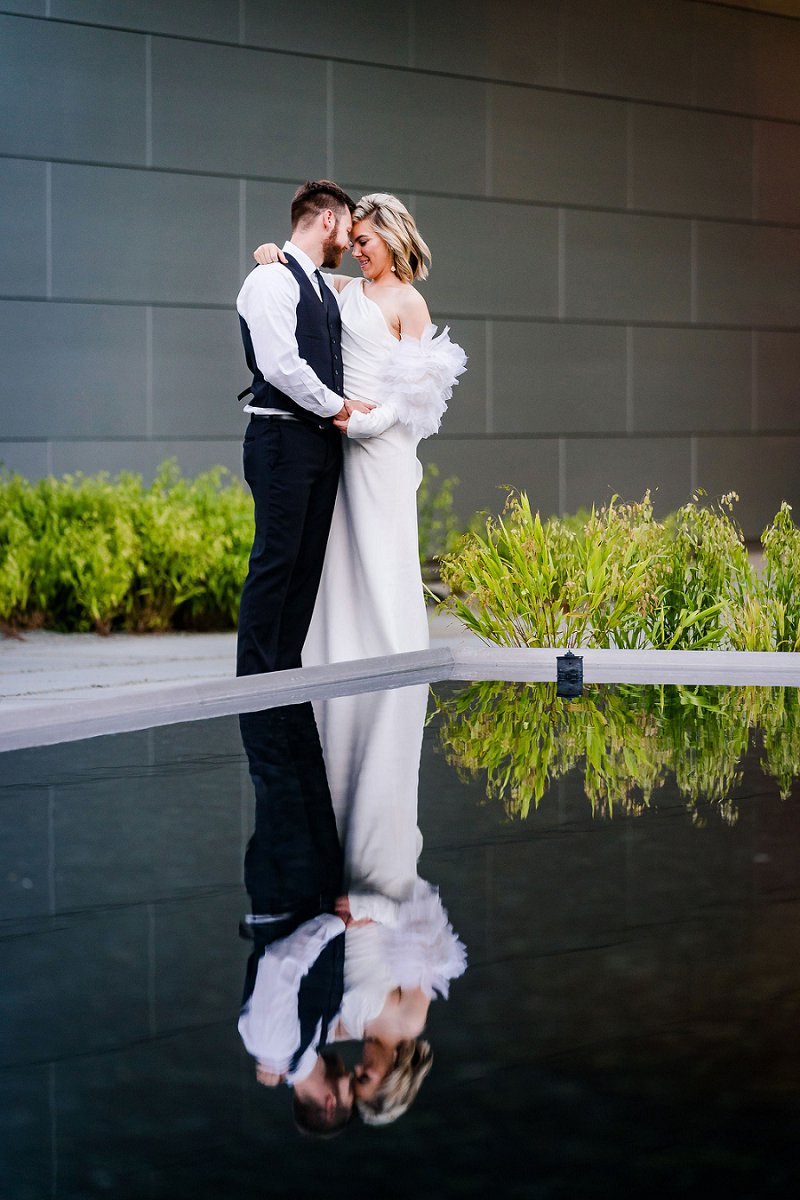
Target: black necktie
320,285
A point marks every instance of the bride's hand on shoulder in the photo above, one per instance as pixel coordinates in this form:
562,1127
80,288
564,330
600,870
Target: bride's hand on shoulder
268,253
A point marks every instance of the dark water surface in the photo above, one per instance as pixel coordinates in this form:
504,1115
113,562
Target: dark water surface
630,1014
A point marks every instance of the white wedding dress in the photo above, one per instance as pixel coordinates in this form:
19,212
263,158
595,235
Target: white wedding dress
370,600
372,745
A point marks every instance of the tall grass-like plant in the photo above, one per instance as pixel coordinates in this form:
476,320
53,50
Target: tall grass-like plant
523,582
704,571
779,592
618,577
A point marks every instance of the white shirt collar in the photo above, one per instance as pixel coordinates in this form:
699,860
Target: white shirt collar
308,264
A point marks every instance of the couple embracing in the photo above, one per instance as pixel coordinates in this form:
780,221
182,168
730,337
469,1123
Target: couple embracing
348,375
350,944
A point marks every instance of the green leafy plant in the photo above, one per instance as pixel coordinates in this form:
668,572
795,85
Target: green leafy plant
89,552
703,572
617,577
523,582
437,523
626,741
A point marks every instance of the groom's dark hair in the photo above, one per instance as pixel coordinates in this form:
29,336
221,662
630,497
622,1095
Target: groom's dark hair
314,196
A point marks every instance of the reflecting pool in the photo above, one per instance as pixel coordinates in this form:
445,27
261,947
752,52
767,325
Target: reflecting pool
571,928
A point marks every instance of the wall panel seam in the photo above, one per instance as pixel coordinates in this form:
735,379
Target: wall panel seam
471,197
535,435
436,311
411,70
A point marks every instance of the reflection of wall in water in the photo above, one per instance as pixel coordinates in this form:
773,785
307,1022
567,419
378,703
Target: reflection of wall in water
622,945
138,859
122,967
610,191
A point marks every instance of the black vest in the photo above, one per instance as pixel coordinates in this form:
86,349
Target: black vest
319,341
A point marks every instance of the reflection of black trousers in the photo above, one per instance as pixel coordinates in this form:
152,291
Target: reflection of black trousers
293,472
293,861
293,864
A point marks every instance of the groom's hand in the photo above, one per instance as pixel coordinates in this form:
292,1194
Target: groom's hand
342,418
342,909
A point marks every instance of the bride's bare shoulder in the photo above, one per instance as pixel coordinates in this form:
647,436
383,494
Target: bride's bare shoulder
413,311
340,282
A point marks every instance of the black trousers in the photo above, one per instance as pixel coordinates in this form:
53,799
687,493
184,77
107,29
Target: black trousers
293,472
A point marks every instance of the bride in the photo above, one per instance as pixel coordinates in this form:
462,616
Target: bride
370,600
400,948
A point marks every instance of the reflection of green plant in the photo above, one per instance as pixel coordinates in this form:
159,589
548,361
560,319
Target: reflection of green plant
618,577
780,726
627,741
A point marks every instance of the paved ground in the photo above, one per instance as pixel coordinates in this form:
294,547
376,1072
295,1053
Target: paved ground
43,668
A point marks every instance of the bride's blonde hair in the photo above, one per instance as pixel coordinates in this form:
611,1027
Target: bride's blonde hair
396,226
396,1093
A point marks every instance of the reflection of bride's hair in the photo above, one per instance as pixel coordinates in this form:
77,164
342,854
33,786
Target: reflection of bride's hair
395,224
397,1092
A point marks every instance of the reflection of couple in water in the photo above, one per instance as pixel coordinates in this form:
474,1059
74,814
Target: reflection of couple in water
349,943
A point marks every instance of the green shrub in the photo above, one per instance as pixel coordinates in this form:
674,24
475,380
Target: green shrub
17,552
84,545
529,583
88,552
618,577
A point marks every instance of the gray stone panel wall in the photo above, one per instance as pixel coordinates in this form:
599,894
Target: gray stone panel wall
609,188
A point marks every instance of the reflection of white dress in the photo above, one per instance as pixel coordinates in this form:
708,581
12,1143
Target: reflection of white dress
372,745
370,600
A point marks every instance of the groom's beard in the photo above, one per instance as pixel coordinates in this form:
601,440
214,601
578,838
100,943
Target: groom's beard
332,252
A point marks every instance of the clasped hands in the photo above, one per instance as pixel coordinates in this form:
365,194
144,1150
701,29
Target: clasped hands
342,418
342,909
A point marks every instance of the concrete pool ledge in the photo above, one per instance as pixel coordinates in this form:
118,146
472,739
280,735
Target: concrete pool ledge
50,721
735,667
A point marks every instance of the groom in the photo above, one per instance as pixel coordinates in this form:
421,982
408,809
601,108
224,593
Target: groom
293,873
291,331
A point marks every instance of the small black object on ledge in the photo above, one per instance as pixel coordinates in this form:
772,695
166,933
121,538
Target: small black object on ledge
569,675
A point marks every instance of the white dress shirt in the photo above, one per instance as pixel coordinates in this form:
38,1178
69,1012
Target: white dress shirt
268,303
270,1022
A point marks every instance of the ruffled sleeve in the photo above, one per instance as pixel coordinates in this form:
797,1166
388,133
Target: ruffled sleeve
422,949
419,376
